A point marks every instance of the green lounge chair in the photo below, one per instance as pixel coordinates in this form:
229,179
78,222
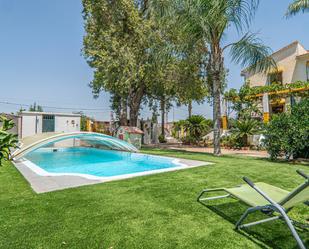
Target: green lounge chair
269,199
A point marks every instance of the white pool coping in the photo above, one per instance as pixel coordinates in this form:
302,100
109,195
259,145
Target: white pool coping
38,170
43,181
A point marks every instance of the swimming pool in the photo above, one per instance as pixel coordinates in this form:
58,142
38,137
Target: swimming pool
96,163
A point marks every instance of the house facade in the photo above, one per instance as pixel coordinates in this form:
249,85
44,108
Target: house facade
93,125
33,123
293,65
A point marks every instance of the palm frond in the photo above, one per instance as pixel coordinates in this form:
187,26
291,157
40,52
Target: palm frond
241,12
298,6
250,52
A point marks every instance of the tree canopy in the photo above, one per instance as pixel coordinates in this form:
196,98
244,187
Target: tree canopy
298,6
116,45
35,108
205,23
136,56
164,51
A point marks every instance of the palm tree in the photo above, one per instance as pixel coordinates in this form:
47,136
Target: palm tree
197,126
179,125
298,6
207,21
245,127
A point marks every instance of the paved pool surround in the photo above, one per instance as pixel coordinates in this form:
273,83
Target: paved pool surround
42,183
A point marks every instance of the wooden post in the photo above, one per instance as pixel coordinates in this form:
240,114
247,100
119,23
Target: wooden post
88,125
265,108
224,114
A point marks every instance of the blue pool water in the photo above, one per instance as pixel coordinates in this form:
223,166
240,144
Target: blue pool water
97,162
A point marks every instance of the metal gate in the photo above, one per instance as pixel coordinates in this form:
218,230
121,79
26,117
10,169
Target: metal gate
48,123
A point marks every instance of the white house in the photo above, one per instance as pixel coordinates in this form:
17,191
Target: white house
39,122
293,65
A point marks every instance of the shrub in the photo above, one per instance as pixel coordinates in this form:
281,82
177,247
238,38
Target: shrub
7,140
177,127
243,128
188,140
288,133
228,141
162,138
277,140
197,126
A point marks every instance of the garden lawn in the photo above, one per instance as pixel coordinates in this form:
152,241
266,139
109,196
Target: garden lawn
155,211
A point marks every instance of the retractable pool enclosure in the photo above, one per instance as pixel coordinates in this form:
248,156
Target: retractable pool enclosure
74,139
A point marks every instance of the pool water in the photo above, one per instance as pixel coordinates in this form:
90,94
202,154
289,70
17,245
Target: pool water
97,162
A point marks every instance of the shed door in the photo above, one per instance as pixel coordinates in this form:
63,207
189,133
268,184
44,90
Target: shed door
48,123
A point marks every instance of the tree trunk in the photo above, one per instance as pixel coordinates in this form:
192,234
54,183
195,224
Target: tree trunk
245,140
190,109
216,119
135,99
216,75
162,117
124,112
134,110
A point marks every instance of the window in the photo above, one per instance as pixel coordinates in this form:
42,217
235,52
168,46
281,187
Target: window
307,70
274,78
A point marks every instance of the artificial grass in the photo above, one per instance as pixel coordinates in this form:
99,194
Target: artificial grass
155,211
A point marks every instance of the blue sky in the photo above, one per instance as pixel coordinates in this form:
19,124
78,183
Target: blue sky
40,54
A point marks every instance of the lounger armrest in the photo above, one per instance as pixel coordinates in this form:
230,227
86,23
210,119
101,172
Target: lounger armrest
257,189
247,180
302,174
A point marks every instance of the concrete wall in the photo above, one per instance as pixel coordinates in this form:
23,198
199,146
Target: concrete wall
293,68
31,125
67,124
300,72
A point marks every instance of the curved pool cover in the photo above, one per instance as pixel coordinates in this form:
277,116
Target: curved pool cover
90,139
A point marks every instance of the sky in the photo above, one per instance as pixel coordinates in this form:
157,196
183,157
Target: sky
41,61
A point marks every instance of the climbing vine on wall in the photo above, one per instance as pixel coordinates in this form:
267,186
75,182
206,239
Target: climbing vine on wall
298,88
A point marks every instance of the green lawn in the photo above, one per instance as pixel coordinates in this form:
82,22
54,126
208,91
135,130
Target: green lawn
157,211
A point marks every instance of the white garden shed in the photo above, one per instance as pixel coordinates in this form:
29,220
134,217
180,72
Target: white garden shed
39,122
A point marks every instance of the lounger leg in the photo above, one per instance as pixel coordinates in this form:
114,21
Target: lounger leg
245,214
260,222
292,228
283,215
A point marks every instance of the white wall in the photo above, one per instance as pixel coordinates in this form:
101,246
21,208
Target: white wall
29,123
62,124
300,72
294,68
67,124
